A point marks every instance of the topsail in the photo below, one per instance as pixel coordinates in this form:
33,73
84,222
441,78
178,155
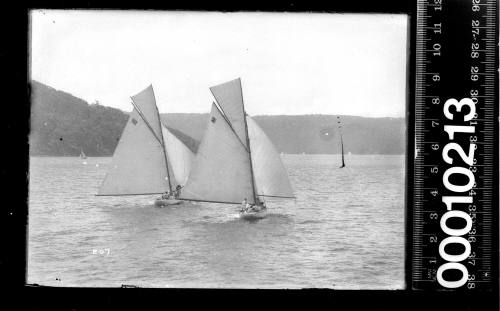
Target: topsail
230,99
145,104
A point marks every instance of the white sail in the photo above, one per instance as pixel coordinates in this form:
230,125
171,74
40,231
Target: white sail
179,157
138,165
229,96
271,178
221,170
145,103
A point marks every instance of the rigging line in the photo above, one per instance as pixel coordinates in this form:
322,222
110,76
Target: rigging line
276,196
249,147
126,194
195,200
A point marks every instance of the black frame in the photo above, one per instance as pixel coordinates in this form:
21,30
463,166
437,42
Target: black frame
14,228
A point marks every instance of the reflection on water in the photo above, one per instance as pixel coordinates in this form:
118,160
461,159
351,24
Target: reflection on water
344,230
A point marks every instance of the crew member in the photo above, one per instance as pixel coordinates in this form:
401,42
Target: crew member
244,205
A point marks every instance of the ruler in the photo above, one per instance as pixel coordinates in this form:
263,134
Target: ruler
453,215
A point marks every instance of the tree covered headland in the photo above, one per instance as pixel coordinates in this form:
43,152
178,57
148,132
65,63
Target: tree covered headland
63,125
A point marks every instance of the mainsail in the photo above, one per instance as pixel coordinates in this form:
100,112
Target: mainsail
271,178
149,159
138,165
235,160
221,170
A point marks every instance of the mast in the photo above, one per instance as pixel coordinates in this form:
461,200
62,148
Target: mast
342,145
249,148
162,143
341,142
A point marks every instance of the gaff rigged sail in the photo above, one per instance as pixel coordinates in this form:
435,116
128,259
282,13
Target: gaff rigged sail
149,159
221,170
138,165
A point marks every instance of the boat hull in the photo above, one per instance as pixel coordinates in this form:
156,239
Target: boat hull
166,202
254,215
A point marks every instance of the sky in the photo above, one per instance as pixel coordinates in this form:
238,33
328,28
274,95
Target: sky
289,63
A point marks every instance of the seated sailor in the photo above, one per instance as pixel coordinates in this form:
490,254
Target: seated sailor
177,191
260,205
243,205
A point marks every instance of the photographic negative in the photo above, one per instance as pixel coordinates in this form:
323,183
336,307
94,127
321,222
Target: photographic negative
217,150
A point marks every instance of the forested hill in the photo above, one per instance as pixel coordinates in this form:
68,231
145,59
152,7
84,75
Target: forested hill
62,124
307,133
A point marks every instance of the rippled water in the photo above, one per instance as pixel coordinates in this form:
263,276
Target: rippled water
345,230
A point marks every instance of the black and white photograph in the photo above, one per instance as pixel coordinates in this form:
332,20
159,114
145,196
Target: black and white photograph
185,149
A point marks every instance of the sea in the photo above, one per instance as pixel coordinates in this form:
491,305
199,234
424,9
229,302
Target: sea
344,230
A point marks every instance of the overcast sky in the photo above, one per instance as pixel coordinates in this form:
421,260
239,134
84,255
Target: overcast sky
289,63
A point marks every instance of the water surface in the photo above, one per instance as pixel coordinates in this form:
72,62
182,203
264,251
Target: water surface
344,230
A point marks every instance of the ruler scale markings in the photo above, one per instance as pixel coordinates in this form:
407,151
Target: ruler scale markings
430,68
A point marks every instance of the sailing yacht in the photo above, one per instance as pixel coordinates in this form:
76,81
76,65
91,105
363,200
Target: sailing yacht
236,161
148,159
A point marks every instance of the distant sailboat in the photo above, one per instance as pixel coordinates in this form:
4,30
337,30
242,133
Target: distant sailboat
341,141
148,159
236,161
82,154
